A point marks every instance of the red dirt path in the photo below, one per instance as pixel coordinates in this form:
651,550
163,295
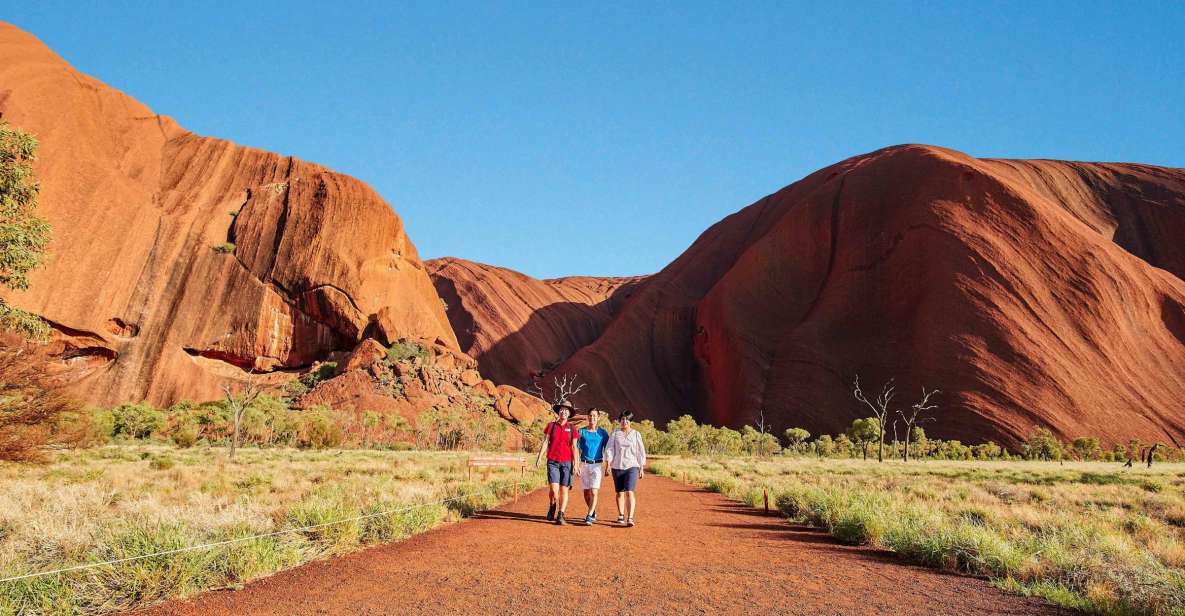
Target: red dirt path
692,552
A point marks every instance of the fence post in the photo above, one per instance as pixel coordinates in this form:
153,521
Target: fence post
765,493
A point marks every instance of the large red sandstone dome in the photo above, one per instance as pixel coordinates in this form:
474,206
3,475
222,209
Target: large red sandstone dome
1032,293
143,304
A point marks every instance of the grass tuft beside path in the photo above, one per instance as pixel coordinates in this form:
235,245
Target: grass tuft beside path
1091,536
122,501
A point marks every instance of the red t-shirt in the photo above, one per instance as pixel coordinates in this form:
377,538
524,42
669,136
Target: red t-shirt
559,441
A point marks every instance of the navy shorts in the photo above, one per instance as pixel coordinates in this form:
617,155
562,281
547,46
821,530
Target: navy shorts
625,479
559,472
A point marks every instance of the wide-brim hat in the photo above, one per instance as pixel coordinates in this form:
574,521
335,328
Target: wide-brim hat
563,405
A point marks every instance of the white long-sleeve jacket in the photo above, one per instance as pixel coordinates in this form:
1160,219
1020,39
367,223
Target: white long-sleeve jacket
625,450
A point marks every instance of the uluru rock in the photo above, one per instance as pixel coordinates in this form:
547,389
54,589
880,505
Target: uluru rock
180,261
1032,293
517,326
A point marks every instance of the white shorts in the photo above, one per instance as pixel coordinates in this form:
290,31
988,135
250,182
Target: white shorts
590,476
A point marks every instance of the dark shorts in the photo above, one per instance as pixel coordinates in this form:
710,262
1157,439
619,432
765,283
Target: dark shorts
559,472
625,479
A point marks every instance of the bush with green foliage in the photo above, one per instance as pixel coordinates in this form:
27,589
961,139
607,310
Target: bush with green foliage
136,420
224,247
24,236
864,432
406,350
1042,445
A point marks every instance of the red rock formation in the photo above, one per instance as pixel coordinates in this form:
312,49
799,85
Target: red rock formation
136,289
517,326
1030,292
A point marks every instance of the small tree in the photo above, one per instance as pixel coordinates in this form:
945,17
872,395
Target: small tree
237,405
864,431
1086,448
824,446
24,236
880,408
1043,445
761,428
916,416
796,437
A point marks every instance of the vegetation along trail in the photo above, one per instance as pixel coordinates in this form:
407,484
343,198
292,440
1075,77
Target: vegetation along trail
692,552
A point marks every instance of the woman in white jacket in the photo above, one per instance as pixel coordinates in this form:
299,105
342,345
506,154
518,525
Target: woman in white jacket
626,455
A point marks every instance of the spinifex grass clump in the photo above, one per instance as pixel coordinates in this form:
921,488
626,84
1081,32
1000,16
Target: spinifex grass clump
1091,536
116,502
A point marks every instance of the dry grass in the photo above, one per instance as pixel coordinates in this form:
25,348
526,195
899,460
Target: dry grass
1092,536
119,501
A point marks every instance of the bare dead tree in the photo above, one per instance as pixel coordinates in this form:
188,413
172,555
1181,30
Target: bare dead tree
563,389
761,427
880,408
238,404
916,416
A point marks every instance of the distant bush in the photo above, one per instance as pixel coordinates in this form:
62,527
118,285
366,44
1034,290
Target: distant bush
186,435
316,428
406,351
137,420
224,247
323,372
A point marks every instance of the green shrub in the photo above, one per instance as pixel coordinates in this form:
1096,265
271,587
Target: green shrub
317,429
186,435
323,372
136,420
406,351
224,247
161,463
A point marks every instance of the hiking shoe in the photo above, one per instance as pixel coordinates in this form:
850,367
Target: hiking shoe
630,522
559,519
621,520
551,512
588,520
592,518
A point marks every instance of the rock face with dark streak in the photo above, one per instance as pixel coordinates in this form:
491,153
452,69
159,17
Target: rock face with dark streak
517,326
1030,292
142,302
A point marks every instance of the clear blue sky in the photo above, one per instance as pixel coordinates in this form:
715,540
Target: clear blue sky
558,139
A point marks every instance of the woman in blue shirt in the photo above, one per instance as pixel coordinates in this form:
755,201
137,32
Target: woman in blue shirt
591,443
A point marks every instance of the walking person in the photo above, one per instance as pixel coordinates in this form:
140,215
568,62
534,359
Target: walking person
559,441
626,454
591,444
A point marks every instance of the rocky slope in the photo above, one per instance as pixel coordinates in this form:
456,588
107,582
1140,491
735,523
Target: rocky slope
180,261
517,326
1030,292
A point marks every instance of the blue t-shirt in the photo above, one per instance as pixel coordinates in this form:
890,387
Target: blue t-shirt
592,444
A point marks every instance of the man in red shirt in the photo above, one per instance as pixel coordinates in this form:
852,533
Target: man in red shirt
559,441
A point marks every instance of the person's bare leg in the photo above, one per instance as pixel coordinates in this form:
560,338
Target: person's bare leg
592,500
588,499
553,492
563,499
632,499
620,504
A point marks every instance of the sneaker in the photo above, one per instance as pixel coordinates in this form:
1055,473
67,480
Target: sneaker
621,520
630,522
551,512
592,518
588,520
559,519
